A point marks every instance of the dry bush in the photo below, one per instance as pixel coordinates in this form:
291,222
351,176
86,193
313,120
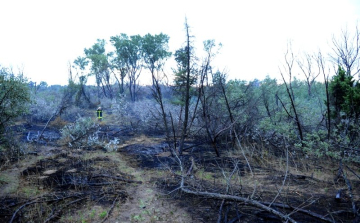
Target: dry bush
42,108
71,113
58,122
135,114
82,133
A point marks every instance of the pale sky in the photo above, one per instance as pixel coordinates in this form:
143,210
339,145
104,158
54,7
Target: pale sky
43,36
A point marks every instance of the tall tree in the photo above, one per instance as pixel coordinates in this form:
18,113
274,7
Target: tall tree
129,51
320,60
293,113
184,78
180,86
208,95
155,52
100,67
118,64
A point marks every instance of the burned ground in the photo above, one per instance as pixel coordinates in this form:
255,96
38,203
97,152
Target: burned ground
140,183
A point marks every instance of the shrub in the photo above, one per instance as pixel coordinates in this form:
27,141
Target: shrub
14,97
82,133
14,101
42,108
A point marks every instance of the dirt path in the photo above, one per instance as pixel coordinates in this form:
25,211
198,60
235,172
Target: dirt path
147,204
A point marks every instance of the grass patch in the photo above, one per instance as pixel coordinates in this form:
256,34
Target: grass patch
9,182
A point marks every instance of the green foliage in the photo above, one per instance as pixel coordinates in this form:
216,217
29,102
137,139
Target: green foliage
352,101
180,80
155,51
340,89
128,58
103,214
314,144
14,97
14,102
81,62
99,66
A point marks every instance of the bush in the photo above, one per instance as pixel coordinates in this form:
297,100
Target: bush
14,97
82,133
42,108
14,101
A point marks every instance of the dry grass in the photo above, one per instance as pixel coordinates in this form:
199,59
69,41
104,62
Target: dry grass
58,123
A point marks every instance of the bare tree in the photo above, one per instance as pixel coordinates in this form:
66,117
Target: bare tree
346,51
288,67
320,60
306,66
208,96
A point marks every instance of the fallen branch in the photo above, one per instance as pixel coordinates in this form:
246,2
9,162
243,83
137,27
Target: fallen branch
21,207
253,203
310,213
220,211
58,213
352,171
111,208
47,123
262,205
350,190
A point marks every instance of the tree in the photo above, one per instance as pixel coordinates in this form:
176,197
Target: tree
128,52
269,90
289,62
347,51
208,95
14,97
322,67
100,67
155,52
185,77
80,63
306,66
344,97
340,88
118,63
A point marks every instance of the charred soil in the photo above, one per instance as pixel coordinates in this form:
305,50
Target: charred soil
141,182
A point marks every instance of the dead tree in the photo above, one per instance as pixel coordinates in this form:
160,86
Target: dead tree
346,51
322,67
208,95
306,67
289,62
187,89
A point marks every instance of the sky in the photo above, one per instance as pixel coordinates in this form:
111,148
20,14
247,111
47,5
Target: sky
41,37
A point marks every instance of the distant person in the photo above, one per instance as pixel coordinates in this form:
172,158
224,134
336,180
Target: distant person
99,114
